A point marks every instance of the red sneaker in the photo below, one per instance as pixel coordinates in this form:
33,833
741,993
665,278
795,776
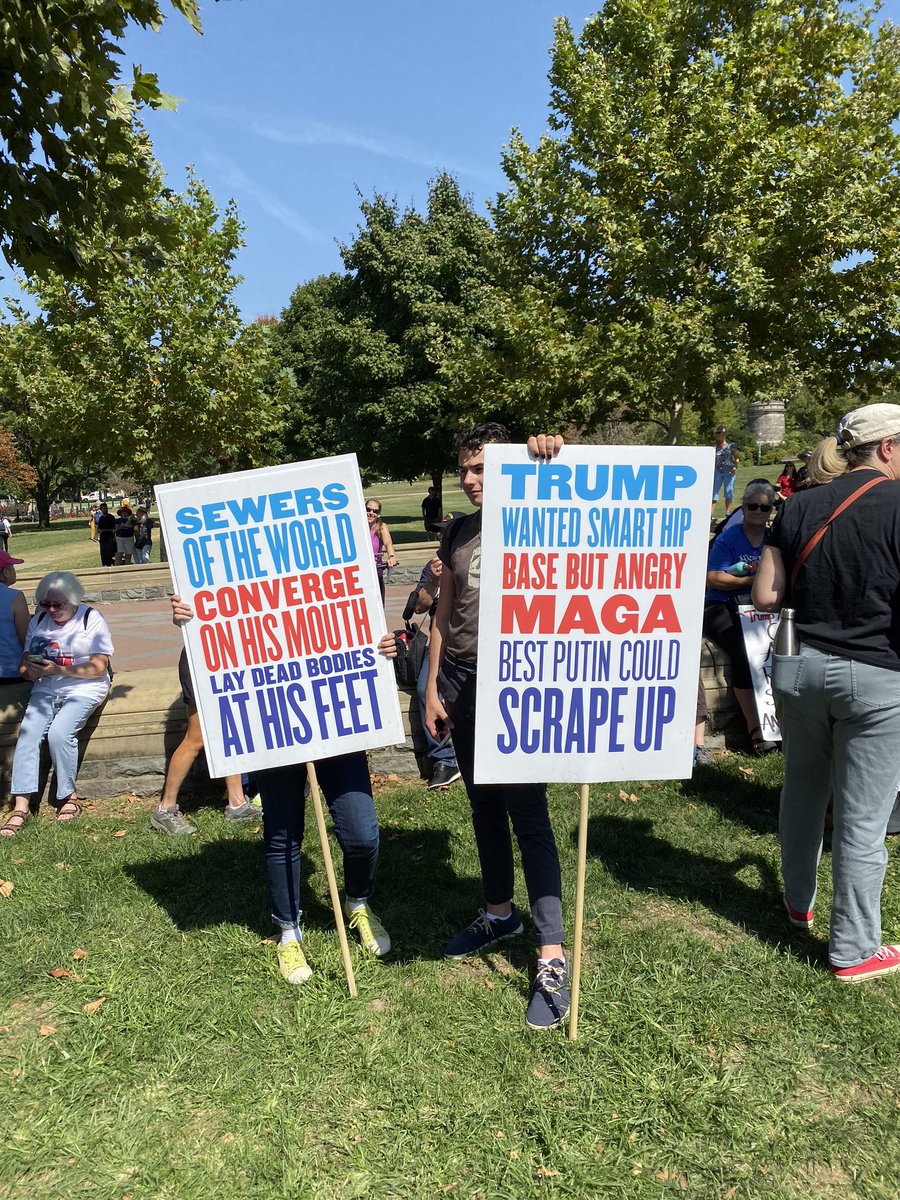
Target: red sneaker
800,920
883,962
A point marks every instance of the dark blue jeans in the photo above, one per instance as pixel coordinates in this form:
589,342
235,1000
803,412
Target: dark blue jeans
493,807
347,788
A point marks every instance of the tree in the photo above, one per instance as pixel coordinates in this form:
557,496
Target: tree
15,474
367,347
713,213
149,370
72,160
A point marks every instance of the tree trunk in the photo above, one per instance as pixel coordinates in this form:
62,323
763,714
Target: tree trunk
676,416
42,504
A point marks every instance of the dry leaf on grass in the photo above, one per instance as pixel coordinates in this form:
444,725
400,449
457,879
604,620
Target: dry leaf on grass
623,795
746,770
90,1009
6,888
16,1072
79,955
59,973
121,833
546,1173
46,1030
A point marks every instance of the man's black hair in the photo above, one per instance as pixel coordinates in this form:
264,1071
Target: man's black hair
474,439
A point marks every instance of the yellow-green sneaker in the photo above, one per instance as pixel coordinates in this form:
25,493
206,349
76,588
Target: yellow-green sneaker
372,934
292,963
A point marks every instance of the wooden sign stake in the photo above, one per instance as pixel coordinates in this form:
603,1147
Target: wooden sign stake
332,881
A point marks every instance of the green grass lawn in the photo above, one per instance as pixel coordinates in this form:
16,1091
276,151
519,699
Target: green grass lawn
716,1057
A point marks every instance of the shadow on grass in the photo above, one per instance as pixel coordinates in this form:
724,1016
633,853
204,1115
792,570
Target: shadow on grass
640,860
418,896
744,799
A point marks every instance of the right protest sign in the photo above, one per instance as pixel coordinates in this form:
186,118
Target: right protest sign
593,570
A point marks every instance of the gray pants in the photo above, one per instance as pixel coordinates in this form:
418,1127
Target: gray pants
840,725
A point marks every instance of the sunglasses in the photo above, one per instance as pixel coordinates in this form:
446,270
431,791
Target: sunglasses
375,511
51,604
758,507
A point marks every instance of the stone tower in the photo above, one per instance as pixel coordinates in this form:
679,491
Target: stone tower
766,421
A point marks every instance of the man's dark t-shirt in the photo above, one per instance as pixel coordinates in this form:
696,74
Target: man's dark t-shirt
431,509
105,525
846,596
463,538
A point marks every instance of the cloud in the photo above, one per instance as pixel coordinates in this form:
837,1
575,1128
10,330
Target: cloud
314,133
241,182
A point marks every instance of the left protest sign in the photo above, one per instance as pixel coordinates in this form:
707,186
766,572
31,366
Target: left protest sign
277,565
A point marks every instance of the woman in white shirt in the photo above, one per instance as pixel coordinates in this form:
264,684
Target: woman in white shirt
67,650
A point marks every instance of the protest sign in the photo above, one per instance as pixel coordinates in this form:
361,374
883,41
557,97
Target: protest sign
278,567
759,630
593,569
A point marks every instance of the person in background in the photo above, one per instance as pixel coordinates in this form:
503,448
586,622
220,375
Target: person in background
826,463
802,479
105,525
347,787
450,704
838,699
441,755
728,460
786,483
733,561
14,618
431,509
382,546
124,536
167,816
143,536
67,652
5,533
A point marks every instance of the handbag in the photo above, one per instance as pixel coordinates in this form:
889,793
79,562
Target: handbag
412,646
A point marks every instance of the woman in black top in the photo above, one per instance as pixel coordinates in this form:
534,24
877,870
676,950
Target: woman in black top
839,698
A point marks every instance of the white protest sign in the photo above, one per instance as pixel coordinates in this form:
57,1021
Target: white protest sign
759,631
279,569
593,569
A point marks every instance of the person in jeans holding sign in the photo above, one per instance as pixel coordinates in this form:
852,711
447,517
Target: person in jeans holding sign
450,704
733,561
834,557
347,787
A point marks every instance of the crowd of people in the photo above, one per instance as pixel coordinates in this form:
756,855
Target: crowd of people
832,551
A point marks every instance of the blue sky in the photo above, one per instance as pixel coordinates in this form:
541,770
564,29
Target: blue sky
290,106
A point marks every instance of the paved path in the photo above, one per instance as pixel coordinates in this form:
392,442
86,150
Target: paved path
144,636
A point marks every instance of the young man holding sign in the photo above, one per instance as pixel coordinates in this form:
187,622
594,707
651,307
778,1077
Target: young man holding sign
450,705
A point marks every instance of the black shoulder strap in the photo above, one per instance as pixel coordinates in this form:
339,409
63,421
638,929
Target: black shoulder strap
87,613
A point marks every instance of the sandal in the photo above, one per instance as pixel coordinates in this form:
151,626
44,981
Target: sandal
14,822
69,809
759,743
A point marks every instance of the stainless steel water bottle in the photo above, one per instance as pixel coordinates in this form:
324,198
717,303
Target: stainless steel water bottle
786,641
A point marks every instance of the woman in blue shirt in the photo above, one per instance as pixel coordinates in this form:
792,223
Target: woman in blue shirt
733,561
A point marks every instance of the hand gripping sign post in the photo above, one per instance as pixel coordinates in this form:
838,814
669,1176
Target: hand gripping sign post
593,569
278,567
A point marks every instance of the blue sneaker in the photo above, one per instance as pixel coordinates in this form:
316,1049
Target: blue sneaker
549,1003
483,932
